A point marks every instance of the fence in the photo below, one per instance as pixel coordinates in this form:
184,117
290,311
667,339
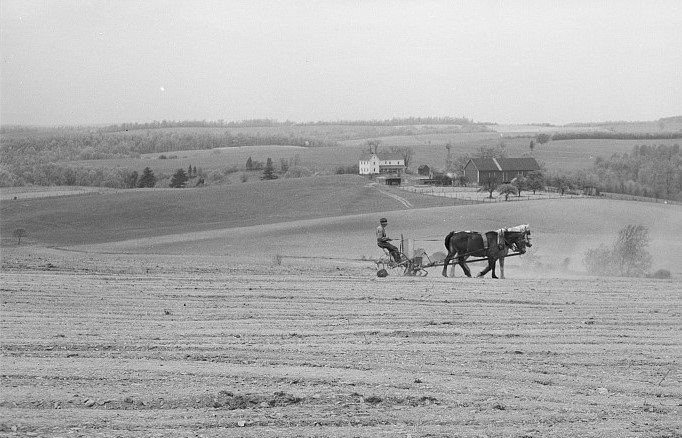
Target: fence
623,197
474,196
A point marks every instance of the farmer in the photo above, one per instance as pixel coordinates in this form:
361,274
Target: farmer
383,239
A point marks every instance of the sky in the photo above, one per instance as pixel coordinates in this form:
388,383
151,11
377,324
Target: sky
67,62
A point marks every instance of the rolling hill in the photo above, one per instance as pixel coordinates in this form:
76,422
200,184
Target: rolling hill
137,213
561,230
324,217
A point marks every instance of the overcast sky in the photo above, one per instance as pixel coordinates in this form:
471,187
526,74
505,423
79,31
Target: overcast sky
113,61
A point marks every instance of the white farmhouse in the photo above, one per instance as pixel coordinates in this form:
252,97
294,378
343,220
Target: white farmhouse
388,164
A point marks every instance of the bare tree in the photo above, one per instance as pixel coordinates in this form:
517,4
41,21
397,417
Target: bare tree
628,256
19,233
630,251
373,146
405,152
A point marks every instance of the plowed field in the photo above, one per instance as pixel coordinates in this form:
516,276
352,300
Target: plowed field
139,346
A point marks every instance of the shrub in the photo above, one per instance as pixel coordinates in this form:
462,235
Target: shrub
297,172
277,260
661,273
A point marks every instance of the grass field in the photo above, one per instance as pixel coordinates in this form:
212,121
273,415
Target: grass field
428,149
127,214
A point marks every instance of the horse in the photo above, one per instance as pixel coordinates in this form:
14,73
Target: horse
463,244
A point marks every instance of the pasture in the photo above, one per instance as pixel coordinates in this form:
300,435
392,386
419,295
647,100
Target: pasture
428,146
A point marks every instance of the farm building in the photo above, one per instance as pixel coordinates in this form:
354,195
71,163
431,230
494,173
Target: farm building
389,180
503,170
390,164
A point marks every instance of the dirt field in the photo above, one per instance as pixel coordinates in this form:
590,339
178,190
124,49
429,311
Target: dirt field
139,346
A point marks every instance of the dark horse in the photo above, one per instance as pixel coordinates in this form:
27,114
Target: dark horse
464,244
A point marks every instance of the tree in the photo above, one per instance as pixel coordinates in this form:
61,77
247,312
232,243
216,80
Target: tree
521,183
131,179
535,181
19,233
542,138
405,152
599,261
373,146
269,171
148,179
531,146
500,151
189,171
562,183
630,251
506,190
284,165
489,185
179,179
628,256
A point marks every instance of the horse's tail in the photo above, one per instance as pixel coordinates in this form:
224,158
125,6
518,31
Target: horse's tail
447,240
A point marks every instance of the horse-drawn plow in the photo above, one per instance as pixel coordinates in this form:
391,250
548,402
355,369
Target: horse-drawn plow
493,246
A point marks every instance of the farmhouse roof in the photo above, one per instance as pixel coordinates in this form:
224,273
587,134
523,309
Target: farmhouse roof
365,156
485,164
518,164
505,164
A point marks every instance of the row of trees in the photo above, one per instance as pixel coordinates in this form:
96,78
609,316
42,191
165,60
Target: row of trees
262,123
402,121
610,135
164,124
534,181
19,152
53,174
649,171
654,171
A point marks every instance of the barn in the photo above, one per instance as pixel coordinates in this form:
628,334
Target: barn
502,170
424,170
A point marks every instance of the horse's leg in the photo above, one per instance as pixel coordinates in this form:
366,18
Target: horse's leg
465,268
491,265
445,263
493,273
502,267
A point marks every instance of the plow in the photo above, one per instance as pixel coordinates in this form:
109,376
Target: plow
415,262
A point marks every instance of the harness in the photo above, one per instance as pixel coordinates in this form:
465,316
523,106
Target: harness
501,238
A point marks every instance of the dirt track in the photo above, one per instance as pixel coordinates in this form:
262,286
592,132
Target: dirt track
110,345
